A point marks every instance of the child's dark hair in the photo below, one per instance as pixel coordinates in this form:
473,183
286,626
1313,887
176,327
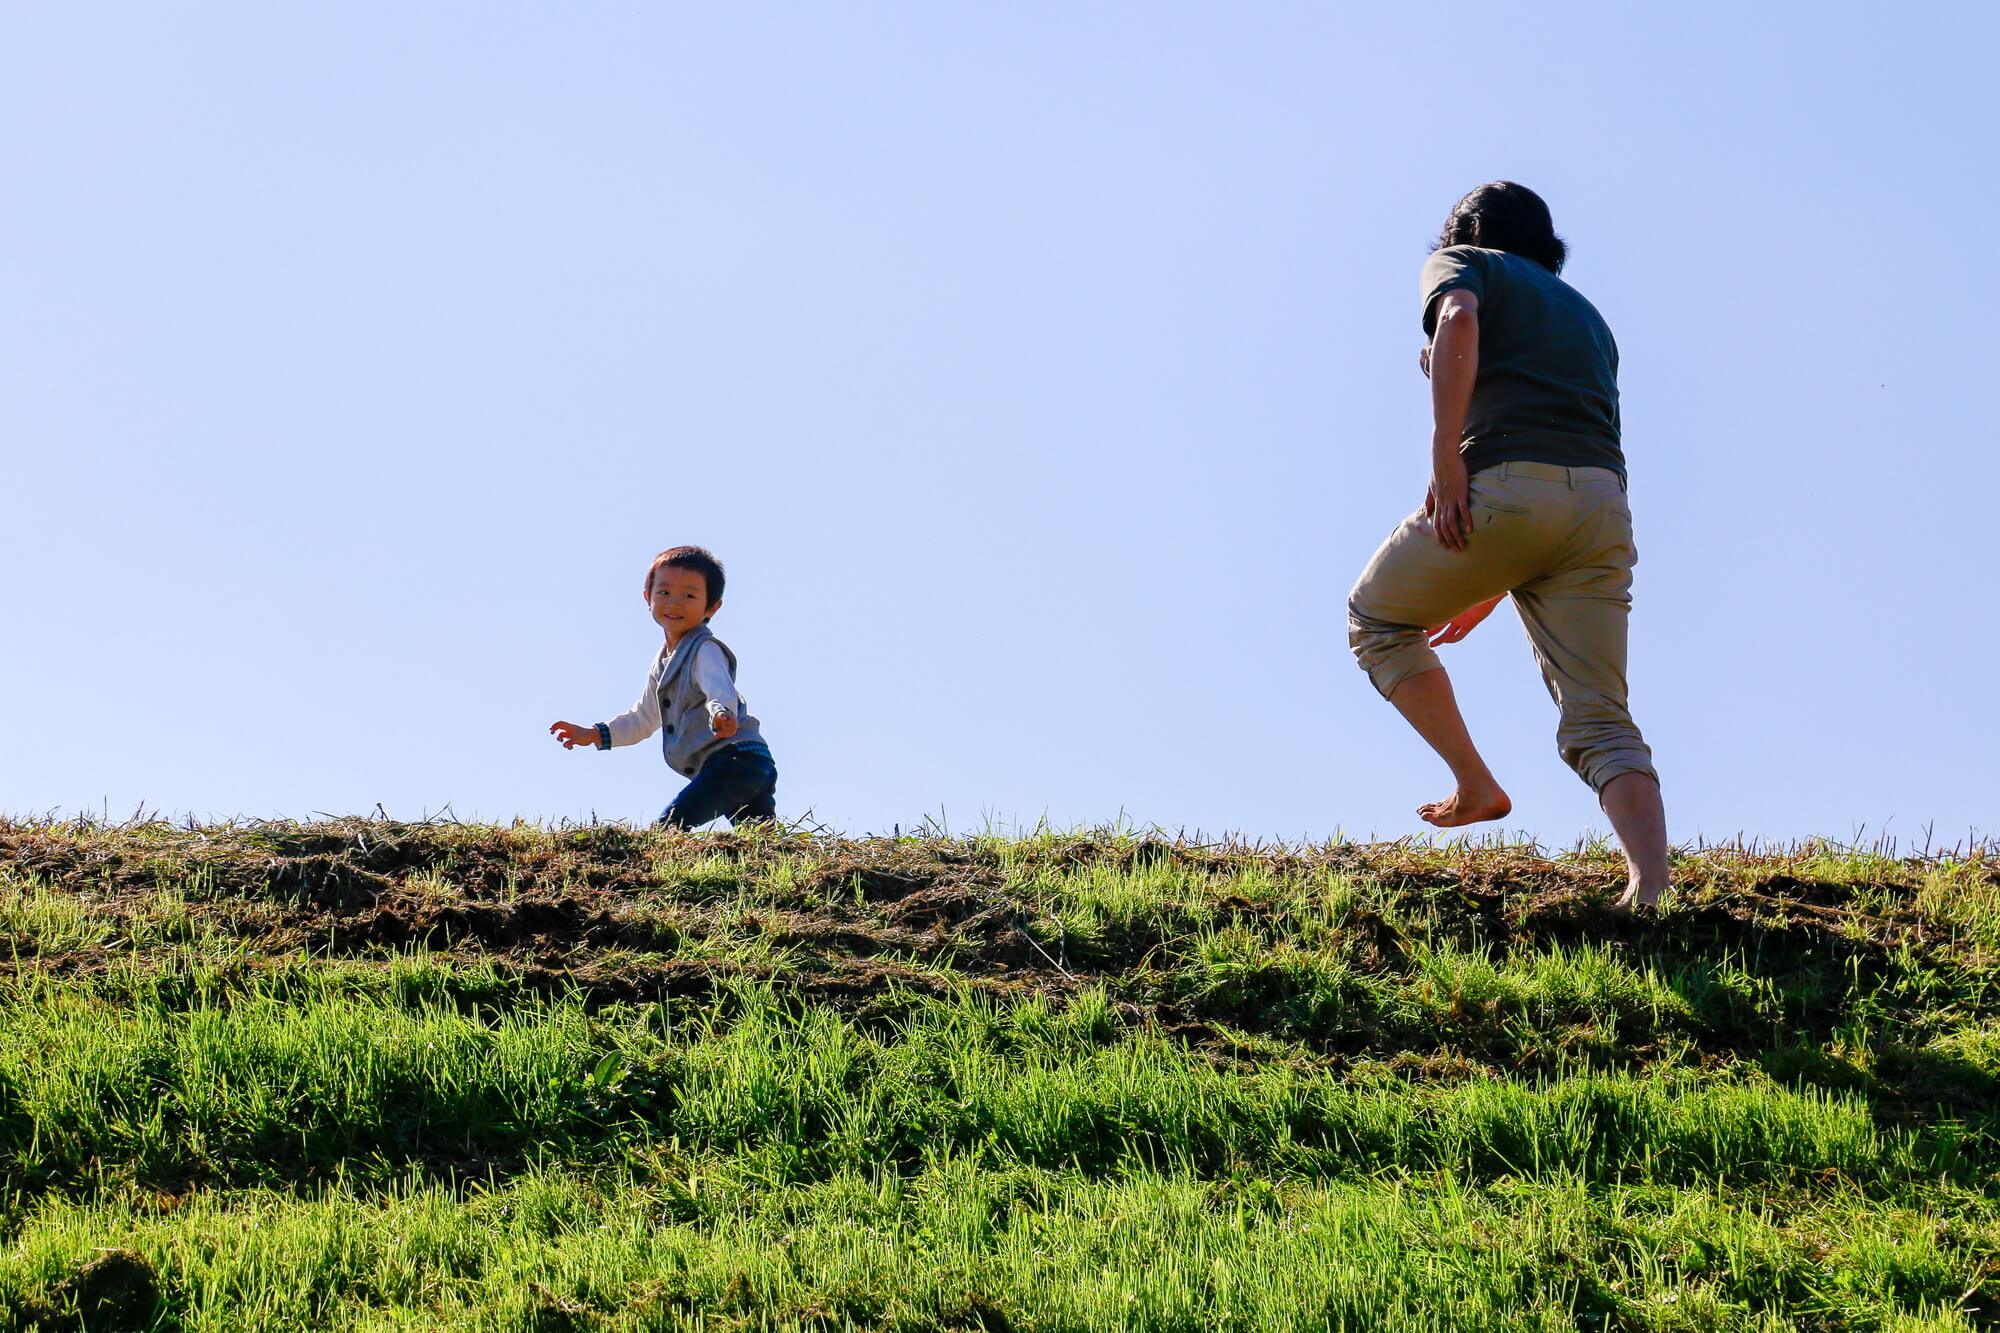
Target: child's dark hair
1506,216
697,558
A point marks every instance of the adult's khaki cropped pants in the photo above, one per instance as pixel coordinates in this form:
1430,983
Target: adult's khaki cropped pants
1560,540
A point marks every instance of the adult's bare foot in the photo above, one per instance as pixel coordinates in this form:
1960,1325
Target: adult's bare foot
1635,900
1632,800
1473,805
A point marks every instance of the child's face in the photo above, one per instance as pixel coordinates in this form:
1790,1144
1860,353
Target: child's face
679,600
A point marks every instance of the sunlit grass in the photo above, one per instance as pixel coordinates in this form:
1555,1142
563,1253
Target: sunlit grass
955,1245
597,1078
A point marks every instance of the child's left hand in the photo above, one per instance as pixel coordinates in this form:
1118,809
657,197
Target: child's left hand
1463,623
722,724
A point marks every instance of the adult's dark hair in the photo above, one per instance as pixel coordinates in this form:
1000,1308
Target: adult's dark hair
1506,216
697,558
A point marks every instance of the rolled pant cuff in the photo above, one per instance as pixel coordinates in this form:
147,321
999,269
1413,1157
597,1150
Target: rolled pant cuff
1400,665
1599,774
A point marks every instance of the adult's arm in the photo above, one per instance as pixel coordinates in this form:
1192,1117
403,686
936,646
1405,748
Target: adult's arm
1454,365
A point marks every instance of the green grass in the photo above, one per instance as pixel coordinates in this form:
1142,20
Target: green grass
361,1075
957,1244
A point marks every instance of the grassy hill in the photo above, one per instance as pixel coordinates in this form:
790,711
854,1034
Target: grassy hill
367,1075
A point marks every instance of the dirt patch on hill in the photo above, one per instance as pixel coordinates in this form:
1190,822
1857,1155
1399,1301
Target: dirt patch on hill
610,913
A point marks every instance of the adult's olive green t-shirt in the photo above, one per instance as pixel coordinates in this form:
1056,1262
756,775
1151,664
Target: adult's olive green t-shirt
1547,388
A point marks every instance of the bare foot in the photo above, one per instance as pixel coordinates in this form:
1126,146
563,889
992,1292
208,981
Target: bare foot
1467,806
1634,900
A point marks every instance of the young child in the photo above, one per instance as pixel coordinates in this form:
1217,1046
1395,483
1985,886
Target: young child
691,692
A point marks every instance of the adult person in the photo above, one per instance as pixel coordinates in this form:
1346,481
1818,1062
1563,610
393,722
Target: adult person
1527,496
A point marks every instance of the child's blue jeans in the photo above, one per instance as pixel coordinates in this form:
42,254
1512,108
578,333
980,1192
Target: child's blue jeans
737,782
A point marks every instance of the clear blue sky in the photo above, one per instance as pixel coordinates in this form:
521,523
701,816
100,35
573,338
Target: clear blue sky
1044,374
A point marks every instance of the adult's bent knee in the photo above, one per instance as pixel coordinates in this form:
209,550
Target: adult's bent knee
1390,654
1604,750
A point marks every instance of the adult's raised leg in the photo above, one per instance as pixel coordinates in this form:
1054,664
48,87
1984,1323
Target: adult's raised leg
1428,704
1411,585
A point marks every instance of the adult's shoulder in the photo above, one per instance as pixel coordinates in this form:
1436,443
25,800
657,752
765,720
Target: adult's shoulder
1454,259
1463,254
1453,268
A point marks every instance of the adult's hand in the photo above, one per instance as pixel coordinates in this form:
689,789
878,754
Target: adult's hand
1463,623
1449,502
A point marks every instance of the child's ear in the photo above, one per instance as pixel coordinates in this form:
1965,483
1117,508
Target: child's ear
713,607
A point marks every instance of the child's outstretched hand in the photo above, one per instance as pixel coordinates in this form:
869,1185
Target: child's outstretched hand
1463,623
722,724
571,735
